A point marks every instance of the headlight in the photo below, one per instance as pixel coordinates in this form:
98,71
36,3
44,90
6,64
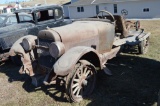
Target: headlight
27,44
56,49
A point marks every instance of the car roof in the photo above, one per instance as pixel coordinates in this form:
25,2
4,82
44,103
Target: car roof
12,14
35,8
6,14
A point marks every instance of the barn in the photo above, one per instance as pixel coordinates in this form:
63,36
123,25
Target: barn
128,8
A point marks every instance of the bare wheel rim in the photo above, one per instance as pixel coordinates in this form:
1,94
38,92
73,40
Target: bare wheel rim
82,82
143,46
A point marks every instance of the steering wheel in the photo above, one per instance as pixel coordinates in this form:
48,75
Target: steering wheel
104,17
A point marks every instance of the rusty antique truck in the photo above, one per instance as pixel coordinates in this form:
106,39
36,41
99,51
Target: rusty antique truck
75,52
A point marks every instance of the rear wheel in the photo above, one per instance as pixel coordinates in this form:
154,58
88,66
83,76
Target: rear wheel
143,46
81,81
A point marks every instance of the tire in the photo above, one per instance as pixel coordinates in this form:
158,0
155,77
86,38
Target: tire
16,60
81,81
143,46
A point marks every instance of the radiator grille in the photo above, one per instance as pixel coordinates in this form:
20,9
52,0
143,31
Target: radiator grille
45,58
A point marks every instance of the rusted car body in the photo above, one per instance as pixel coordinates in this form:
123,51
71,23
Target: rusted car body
75,52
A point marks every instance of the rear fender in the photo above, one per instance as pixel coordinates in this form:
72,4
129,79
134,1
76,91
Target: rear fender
67,61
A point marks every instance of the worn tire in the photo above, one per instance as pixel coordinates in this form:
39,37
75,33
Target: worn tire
143,46
78,88
16,60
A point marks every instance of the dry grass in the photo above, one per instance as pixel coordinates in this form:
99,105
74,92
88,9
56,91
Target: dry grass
135,81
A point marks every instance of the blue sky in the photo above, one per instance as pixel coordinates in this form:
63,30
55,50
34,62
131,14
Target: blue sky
7,1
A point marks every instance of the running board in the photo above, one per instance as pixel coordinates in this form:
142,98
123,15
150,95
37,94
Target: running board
109,55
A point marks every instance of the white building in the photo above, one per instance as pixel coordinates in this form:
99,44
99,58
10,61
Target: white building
7,9
131,8
1,9
65,9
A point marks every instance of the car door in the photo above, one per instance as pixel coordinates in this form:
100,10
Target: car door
14,33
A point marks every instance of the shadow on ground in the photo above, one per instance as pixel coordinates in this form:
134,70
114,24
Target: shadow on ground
135,82
12,71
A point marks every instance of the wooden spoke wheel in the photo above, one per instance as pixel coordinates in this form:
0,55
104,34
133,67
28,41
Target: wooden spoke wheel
81,81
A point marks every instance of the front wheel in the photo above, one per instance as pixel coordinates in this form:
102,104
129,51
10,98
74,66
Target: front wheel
81,81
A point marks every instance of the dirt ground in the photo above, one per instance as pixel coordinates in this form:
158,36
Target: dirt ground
135,81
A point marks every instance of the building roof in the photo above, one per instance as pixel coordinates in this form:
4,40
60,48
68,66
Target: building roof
35,8
67,3
81,2
111,1
88,2
10,14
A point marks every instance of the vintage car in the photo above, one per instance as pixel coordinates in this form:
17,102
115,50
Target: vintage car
10,18
74,53
42,18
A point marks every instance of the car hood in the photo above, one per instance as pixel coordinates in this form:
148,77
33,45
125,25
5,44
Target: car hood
14,27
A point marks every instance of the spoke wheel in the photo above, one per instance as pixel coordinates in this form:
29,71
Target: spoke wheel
81,81
143,46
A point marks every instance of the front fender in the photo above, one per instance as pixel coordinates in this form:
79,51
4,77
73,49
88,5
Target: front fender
67,61
17,49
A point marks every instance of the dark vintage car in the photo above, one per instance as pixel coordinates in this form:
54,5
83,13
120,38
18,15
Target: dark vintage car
10,18
73,54
43,17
